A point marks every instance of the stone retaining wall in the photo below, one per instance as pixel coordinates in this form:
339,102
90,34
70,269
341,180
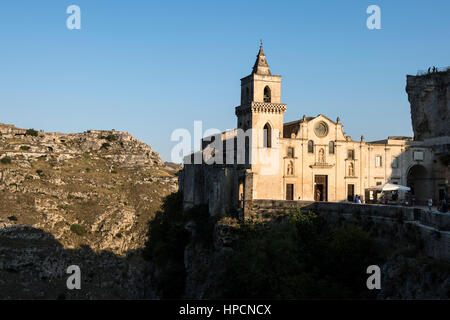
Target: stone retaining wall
433,226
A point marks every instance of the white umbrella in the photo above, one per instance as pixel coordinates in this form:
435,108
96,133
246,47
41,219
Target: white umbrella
394,187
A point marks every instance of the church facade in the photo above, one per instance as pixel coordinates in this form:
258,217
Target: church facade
308,159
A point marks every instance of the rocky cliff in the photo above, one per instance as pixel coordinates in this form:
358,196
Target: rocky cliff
82,198
429,95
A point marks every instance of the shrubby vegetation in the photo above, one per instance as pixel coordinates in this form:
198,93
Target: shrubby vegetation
110,138
78,229
31,132
299,256
167,239
5,160
105,145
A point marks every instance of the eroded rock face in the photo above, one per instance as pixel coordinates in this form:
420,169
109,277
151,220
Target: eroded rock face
413,278
429,96
121,147
81,199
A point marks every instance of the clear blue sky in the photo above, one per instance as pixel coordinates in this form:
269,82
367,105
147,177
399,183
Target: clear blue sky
149,67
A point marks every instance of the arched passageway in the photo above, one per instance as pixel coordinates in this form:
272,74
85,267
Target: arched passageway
418,180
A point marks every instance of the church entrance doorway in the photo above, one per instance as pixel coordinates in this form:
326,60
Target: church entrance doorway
350,192
290,192
321,188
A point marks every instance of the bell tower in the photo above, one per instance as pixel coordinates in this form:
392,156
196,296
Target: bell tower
261,109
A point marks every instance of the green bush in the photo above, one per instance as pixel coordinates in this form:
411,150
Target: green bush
25,148
301,257
40,172
298,256
32,132
78,229
111,138
12,218
105,145
5,160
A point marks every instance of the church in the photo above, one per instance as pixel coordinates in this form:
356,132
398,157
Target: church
309,159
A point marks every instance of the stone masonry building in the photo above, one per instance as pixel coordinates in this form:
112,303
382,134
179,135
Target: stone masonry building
308,159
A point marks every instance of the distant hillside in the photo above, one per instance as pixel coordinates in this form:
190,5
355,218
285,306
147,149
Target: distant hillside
71,198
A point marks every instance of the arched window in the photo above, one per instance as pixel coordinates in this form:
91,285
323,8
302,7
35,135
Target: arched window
331,147
247,150
267,136
267,94
310,146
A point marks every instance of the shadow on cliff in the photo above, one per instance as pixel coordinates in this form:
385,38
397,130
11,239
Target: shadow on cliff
33,265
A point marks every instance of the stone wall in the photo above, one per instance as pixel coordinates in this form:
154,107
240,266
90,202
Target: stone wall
213,185
433,226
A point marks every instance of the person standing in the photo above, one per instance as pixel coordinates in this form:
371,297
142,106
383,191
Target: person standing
318,194
430,204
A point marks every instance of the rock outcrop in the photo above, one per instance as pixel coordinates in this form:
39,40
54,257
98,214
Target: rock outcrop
429,95
83,199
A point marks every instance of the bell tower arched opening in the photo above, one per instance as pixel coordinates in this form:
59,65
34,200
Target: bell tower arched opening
267,94
267,135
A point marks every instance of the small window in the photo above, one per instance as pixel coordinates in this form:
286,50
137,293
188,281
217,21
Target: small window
247,150
310,146
418,155
379,183
378,161
331,147
267,94
267,136
290,152
395,162
351,154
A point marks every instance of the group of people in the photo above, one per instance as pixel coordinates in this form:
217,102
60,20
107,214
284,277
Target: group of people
444,204
434,69
442,207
